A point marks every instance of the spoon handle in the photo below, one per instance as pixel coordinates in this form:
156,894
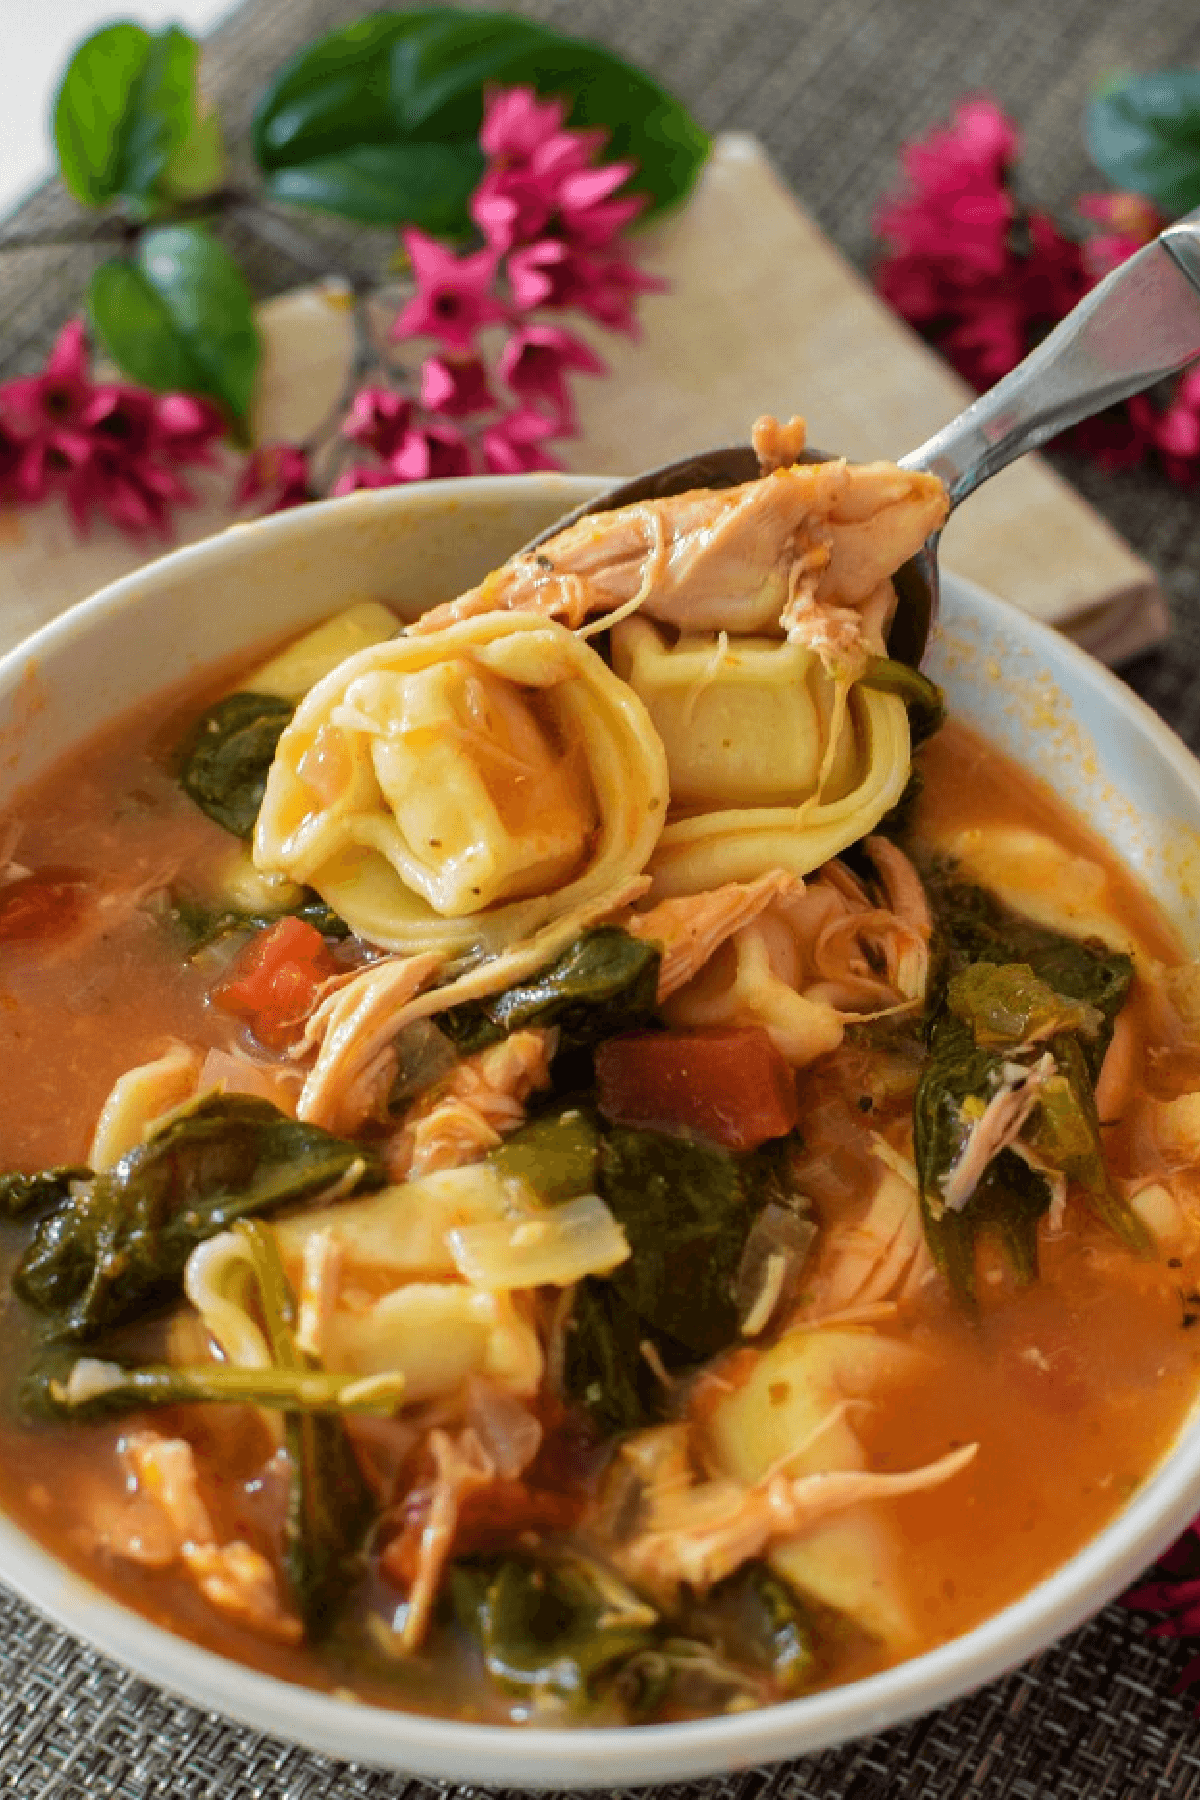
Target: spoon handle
1140,323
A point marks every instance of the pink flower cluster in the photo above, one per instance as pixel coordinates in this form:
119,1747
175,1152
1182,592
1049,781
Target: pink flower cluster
979,277
984,279
549,214
102,445
1174,1588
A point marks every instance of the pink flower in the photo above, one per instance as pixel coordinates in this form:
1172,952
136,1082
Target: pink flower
584,211
551,274
455,386
1173,431
958,204
453,298
426,453
105,445
363,475
516,123
1176,1591
534,363
278,471
379,420
981,279
541,180
432,453
511,445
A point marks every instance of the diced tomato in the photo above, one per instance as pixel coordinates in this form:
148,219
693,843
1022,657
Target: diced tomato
275,979
732,1087
46,905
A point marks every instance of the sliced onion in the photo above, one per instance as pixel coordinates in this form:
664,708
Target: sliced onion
775,1252
508,1431
557,1246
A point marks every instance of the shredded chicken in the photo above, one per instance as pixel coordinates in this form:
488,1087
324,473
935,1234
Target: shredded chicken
462,1465
239,1582
355,1026
879,1258
801,960
998,1126
803,550
701,1533
467,1115
234,1578
356,1023
777,445
690,928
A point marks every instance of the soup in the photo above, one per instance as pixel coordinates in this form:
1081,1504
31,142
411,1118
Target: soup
585,1197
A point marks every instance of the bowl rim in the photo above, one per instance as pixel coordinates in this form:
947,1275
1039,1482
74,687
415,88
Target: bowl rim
542,1757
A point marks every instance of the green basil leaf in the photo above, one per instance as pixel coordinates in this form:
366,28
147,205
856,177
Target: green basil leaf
644,122
427,185
334,95
1144,134
416,79
91,107
179,316
160,114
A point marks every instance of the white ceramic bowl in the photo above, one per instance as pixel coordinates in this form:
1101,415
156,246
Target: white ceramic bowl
1051,707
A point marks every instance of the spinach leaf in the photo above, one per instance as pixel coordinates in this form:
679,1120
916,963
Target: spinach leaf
1002,979
687,1209
107,1390
226,760
1143,132
754,1618
971,925
179,315
604,983
923,698
117,1250
550,1628
201,925
603,1368
556,1154
1006,1004
329,1506
30,1193
378,120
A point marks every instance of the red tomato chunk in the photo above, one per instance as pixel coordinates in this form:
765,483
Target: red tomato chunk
733,1087
274,981
46,905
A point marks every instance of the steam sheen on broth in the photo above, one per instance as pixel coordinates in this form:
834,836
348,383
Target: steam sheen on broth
584,1196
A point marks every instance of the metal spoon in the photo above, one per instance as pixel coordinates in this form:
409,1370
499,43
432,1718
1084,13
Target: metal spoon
1141,323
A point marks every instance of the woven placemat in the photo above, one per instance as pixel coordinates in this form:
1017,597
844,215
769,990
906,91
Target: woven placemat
833,91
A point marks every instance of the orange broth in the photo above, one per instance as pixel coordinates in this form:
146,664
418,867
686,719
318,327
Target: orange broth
1074,1387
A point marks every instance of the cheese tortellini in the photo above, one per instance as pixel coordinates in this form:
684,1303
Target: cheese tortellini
458,792
773,764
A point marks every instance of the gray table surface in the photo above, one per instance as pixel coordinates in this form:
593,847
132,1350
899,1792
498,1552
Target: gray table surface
833,90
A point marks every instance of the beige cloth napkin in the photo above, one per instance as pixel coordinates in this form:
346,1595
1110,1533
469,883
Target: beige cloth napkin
762,315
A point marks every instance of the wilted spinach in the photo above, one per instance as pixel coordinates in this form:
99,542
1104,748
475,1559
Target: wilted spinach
117,1249
1000,982
687,1209
604,983
550,1628
225,762
922,698
201,925
21,1194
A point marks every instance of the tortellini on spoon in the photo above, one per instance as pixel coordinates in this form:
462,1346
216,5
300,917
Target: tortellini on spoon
458,792
774,763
